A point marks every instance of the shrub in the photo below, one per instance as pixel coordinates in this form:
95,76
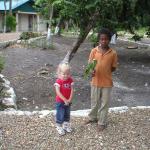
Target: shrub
1,63
148,32
11,23
28,35
136,37
93,38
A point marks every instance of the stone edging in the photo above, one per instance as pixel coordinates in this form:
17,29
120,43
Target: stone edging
9,101
5,44
77,113
30,40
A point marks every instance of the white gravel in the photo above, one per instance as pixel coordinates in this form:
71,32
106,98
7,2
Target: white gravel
128,130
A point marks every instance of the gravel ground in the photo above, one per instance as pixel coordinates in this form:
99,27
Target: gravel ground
126,131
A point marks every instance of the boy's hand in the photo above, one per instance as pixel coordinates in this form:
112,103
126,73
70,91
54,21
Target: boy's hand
93,73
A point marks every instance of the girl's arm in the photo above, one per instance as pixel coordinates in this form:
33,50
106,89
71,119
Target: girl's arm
59,94
71,94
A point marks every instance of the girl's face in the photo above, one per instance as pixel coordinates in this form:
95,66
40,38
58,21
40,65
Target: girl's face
64,74
104,40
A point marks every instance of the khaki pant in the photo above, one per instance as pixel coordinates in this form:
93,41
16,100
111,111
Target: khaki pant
99,104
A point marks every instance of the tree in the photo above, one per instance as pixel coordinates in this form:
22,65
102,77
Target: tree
10,7
46,8
94,14
5,13
143,12
88,15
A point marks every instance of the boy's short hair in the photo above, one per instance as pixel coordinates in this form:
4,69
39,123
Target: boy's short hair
106,32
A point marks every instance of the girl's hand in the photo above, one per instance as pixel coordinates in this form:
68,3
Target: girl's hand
66,103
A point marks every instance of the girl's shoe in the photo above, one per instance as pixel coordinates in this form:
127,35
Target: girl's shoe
60,130
67,127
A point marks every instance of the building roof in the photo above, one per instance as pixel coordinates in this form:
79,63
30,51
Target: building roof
15,4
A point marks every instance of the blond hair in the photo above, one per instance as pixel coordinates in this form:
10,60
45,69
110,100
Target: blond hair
62,67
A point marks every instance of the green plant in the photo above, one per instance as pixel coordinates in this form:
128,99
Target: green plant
148,32
90,68
1,63
28,35
136,37
11,23
93,38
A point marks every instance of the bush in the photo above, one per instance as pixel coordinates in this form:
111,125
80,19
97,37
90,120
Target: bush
136,37
10,23
1,63
28,35
93,38
148,32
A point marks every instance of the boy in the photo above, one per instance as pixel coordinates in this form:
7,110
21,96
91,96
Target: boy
101,83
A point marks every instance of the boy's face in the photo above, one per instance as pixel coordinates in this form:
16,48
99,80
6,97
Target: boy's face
104,40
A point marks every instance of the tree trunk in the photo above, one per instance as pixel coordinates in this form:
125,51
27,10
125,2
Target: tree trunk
5,13
49,27
10,7
131,30
58,33
81,38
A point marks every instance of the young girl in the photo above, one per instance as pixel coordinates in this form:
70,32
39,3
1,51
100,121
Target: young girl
64,93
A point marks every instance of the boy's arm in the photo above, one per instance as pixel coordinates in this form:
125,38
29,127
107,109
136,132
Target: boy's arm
59,94
114,64
113,69
91,56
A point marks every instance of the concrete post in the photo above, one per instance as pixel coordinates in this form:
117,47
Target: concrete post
17,21
38,23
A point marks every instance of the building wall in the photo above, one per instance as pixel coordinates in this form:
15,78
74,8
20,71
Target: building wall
42,25
1,23
23,24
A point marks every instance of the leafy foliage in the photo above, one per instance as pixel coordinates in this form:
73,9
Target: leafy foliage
90,68
28,35
94,40
10,22
148,32
1,63
136,37
127,14
95,14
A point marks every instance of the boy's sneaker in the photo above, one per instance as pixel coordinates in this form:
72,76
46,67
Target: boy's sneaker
67,127
60,130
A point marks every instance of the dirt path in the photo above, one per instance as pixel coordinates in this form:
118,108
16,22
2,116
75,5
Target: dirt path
9,36
131,80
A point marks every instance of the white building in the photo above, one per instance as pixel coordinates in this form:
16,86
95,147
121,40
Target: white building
27,18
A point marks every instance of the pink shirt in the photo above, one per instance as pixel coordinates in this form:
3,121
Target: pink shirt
65,88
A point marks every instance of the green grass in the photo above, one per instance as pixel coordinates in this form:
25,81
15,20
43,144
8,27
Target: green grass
142,30
1,63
